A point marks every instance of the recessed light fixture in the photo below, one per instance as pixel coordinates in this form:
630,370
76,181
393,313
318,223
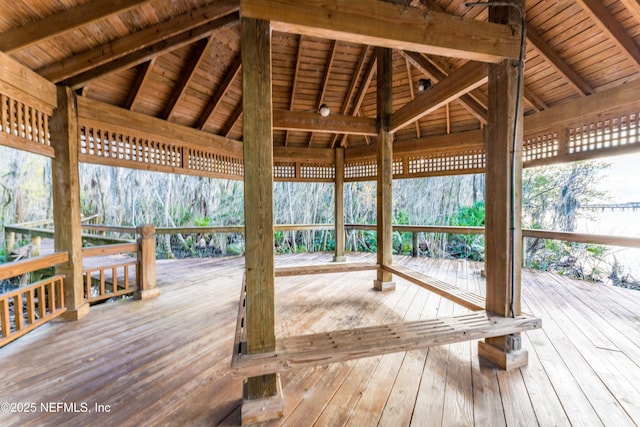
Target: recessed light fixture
424,85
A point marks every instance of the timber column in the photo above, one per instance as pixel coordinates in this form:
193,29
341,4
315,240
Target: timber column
503,201
338,190
66,201
384,199
262,395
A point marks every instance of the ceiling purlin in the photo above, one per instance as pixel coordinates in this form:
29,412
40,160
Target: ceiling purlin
352,88
194,61
137,41
325,80
362,92
413,94
610,26
144,70
142,55
59,23
466,78
233,119
430,70
572,77
230,76
294,84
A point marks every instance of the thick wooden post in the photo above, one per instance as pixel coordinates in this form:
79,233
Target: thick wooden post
66,202
503,205
9,243
262,396
147,262
36,243
414,244
339,206
384,201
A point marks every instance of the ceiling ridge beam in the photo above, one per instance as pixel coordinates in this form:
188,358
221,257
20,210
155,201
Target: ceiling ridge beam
143,39
463,80
388,25
53,25
143,55
229,77
194,61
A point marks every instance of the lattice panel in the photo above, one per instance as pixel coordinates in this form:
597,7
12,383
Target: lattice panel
118,146
446,163
360,170
284,171
205,161
397,167
317,172
605,134
23,122
540,147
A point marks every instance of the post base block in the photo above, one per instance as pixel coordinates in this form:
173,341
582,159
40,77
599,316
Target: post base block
255,411
503,359
73,315
148,293
339,258
379,285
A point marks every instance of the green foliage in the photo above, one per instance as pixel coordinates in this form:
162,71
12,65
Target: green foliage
470,246
202,222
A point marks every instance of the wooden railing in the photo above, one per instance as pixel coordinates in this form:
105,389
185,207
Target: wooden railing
26,308
112,279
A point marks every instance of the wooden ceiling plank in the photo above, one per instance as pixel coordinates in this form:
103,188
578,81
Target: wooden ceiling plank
435,73
194,61
325,80
466,78
383,24
29,34
137,41
610,26
621,99
294,84
142,55
313,122
144,70
569,74
230,76
634,7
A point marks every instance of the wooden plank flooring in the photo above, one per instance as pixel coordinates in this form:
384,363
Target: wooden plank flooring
166,361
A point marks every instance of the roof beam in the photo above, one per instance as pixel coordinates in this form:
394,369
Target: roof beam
70,19
466,78
141,40
142,55
573,78
144,70
383,24
194,61
325,79
621,99
434,73
230,76
233,119
609,25
294,84
313,122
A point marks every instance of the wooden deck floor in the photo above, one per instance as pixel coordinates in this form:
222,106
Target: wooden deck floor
165,361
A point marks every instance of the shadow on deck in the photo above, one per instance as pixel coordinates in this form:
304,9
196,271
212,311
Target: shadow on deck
166,361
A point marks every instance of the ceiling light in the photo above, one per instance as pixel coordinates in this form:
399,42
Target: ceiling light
324,110
424,85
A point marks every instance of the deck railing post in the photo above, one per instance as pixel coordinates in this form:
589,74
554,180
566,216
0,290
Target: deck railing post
414,244
146,276
9,243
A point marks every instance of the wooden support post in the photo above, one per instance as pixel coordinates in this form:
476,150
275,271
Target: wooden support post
35,245
339,206
503,187
146,276
414,244
66,202
385,171
258,216
9,243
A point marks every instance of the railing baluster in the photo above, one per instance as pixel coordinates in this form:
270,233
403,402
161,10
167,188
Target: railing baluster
114,280
42,305
4,318
18,312
52,298
31,308
102,287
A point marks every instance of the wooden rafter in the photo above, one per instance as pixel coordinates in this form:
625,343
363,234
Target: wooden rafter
325,79
436,74
230,76
610,26
59,23
140,40
294,84
352,88
378,23
233,119
466,78
144,70
533,100
364,87
194,61
570,75
413,94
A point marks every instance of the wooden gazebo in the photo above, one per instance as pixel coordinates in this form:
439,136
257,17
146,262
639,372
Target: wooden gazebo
333,91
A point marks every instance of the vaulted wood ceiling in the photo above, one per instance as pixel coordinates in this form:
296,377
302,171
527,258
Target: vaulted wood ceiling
179,60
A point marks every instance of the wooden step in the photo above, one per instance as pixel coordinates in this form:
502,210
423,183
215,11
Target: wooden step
343,345
464,298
